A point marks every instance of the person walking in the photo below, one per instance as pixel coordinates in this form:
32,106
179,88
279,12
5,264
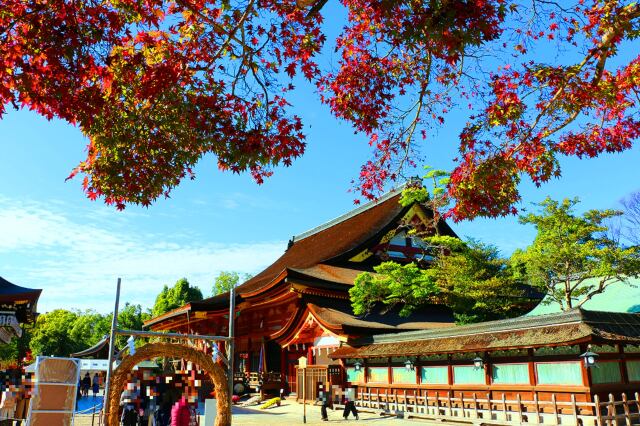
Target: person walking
129,416
349,407
180,415
86,384
96,385
323,397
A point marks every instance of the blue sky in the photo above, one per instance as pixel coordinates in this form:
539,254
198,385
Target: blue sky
52,237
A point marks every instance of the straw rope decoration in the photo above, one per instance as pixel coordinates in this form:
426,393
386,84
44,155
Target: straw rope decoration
153,350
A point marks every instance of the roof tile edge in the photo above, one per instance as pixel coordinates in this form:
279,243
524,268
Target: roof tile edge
384,197
546,320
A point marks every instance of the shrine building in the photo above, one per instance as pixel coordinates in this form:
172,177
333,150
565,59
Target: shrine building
299,305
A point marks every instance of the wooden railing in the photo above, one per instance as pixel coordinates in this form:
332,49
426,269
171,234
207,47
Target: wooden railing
618,412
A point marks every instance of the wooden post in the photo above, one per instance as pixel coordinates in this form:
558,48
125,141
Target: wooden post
405,400
574,408
596,401
386,399
378,398
536,408
490,408
625,405
304,394
637,405
555,409
612,410
437,403
519,402
450,404
504,407
475,406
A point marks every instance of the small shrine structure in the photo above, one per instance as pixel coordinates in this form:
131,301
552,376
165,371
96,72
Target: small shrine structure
17,306
573,367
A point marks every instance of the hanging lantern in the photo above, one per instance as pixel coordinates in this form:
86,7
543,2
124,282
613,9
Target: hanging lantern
590,358
408,364
478,363
357,366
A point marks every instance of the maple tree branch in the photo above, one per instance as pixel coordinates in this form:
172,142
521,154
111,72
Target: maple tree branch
315,8
235,29
630,13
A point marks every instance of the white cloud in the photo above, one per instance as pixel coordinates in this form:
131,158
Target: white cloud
76,260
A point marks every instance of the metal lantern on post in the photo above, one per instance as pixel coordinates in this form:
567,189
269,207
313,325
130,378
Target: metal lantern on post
408,364
590,358
478,363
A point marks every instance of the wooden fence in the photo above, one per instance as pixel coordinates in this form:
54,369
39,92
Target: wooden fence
618,412
315,375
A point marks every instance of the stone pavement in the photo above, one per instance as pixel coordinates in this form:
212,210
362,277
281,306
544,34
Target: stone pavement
290,413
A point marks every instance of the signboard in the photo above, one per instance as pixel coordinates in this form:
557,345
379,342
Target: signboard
302,362
333,370
94,364
5,335
9,325
54,396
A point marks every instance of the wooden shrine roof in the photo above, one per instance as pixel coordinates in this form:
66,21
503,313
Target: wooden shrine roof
100,348
21,299
10,293
314,255
332,239
338,314
334,274
558,329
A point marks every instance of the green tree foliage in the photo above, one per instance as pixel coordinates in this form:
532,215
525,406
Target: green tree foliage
435,199
226,280
470,277
570,249
392,284
176,296
63,332
131,317
477,283
54,334
12,353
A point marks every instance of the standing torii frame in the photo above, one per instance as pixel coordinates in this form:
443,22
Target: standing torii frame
228,360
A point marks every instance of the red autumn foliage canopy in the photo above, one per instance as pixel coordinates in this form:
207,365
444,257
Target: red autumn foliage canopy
156,84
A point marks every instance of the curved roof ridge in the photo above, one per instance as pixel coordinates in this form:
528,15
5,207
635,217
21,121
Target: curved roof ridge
384,197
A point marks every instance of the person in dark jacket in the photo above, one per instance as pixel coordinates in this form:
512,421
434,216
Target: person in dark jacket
129,416
324,399
86,384
349,407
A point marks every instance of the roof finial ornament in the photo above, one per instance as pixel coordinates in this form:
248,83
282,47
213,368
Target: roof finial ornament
414,181
291,241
